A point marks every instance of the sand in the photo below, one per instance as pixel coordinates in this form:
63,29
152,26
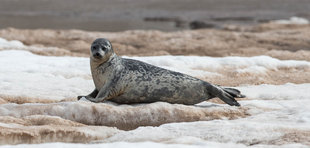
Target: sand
276,40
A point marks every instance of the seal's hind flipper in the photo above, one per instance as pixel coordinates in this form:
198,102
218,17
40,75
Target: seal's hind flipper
234,92
227,95
228,98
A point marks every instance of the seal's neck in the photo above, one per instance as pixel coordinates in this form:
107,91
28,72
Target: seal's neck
94,63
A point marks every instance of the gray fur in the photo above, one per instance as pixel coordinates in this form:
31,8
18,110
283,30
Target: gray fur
128,81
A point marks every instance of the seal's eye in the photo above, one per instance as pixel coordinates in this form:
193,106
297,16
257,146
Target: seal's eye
106,47
94,47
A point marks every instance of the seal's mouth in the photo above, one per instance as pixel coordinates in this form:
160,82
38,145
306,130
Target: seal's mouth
97,55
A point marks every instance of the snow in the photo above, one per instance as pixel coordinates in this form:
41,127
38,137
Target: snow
148,145
17,45
293,20
10,44
68,77
40,75
194,64
132,116
270,116
288,91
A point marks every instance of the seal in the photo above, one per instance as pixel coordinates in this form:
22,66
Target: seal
129,81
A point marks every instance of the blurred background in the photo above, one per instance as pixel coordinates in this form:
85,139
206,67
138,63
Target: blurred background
152,27
165,15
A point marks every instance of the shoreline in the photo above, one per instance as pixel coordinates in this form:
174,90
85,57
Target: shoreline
121,15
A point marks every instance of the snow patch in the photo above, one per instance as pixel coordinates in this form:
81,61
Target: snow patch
288,91
271,114
57,78
124,116
293,20
4,44
212,64
150,145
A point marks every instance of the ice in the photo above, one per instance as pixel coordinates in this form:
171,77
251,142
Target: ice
212,63
5,44
293,20
150,145
67,77
288,91
17,45
270,116
26,74
132,116
262,121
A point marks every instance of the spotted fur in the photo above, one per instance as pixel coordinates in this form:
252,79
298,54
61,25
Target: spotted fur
128,81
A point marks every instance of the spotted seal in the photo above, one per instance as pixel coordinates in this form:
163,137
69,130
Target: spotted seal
129,81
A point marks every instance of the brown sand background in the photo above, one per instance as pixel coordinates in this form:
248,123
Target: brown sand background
275,40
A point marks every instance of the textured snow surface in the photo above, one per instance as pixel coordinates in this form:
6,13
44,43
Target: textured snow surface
45,77
149,145
10,44
68,77
38,104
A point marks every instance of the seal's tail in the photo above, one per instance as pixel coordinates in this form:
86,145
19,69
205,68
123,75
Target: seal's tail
227,95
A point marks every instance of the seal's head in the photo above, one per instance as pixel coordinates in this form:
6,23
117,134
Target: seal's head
101,50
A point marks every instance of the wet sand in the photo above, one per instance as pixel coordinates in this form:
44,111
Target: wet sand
286,42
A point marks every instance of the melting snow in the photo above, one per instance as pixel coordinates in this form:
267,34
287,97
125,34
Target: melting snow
152,145
270,116
68,77
293,20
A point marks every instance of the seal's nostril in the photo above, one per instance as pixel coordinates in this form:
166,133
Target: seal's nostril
97,55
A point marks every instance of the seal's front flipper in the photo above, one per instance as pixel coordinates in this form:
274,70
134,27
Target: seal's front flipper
80,97
93,94
84,98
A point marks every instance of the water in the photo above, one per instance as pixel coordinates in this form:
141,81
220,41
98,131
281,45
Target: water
164,15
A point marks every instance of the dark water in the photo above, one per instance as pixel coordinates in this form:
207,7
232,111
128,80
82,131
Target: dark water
119,15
